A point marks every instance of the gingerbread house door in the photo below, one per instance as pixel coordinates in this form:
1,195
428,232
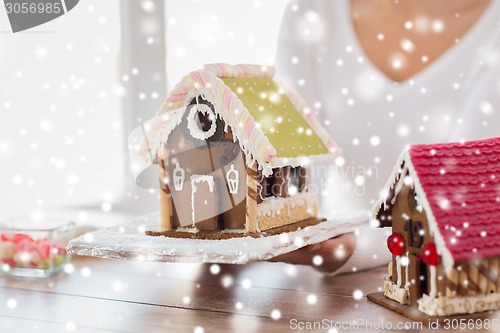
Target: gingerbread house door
417,274
203,202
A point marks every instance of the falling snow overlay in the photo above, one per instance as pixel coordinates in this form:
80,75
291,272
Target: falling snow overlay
371,117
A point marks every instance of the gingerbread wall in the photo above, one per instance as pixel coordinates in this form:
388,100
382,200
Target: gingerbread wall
216,207
412,224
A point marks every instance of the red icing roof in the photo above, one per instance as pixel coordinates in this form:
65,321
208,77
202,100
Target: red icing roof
462,185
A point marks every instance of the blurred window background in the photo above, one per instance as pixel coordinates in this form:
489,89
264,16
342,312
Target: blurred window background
72,89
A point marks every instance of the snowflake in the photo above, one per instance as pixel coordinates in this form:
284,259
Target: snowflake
276,314
70,326
374,141
486,108
214,269
11,303
340,252
291,271
317,260
437,26
407,45
227,281
357,294
403,130
359,180
246,283
298,241
312,299
86,272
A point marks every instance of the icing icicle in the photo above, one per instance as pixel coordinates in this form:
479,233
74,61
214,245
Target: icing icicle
398,270
433,277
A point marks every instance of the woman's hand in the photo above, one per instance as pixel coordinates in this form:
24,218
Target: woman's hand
334,253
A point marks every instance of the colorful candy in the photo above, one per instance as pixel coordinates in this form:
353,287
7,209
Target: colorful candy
21,250
396,244
429,254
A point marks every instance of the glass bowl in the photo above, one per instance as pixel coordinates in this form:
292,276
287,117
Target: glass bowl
34,248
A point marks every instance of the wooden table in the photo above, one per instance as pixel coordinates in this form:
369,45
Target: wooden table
121,296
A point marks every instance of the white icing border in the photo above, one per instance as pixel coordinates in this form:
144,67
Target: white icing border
197,179
439,306
442,250
194,129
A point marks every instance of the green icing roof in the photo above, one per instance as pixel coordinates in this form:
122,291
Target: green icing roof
284,126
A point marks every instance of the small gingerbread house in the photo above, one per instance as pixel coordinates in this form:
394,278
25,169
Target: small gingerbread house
443,204
233,148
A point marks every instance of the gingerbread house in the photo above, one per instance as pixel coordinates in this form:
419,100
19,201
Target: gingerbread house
233,148
443,204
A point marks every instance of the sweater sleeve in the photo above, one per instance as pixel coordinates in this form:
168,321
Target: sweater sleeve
479,116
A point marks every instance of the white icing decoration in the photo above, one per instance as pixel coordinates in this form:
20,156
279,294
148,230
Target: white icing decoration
273,206
256,146
260,188
233,183
196,179
445,306
179,176
400,184
433,277
398,270
192,122
407,284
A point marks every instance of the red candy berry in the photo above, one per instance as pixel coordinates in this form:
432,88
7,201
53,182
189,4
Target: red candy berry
429,254
396,244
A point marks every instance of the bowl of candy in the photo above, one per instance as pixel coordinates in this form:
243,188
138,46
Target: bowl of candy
34,248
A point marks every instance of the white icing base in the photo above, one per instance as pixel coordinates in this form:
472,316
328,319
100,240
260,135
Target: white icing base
445,306
192,230
395,292
234,231
273,206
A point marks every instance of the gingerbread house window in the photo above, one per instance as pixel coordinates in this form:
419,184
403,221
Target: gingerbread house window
284,182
